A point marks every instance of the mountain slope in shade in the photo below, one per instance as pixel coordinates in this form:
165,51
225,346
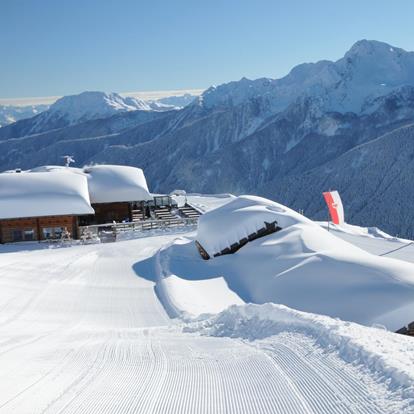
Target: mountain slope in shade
376,181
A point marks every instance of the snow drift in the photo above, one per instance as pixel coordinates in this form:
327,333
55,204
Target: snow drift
245,215
302,266
389,355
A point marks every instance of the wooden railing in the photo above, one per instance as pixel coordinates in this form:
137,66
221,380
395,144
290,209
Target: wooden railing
137,226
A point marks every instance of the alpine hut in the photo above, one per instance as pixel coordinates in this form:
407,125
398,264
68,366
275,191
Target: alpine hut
117,192
39,206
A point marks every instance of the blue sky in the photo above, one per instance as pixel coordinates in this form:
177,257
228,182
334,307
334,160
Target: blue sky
57,47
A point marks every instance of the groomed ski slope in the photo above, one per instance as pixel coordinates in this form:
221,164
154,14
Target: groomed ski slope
82,330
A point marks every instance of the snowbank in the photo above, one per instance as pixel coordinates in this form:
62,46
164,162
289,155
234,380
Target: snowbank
389,355
191,296
218,229
37,194
304,267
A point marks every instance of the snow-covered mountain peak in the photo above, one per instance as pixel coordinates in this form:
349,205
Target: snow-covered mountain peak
92,105
236,92
373,47
370,69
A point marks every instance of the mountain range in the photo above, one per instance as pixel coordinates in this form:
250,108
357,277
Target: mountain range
345,125
73,109
10,113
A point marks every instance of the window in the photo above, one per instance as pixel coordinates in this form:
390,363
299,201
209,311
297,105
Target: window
17,235
22,235
28,234
52,232
162,201
48,232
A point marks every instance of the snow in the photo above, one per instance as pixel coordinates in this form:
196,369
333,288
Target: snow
374,240
206,202
90,329
188,298
236,220
115,183
93,105
381,351
108,183
38,194
302,266
371,232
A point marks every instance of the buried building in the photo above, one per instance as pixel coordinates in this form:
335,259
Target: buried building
228,228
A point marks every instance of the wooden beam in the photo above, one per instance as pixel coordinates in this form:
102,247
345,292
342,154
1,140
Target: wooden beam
38,229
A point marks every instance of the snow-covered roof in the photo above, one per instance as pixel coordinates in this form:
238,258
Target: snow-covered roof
236,220
37,194
116,183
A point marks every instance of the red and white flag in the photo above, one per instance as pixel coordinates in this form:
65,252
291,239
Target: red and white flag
336,209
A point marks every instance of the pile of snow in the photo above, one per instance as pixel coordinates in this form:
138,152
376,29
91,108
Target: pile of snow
116,183
189,298
302,266
236,220
37,194
388,355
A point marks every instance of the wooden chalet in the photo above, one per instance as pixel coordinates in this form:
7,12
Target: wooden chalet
41,206
51,201
118,194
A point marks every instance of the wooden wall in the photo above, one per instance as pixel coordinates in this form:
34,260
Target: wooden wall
109,212
34,227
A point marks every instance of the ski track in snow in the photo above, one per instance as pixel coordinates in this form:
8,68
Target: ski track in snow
80,332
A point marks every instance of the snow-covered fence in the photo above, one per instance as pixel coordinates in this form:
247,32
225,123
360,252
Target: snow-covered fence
111,230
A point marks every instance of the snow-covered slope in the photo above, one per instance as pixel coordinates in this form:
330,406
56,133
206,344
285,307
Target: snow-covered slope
302,266
82,330
380,351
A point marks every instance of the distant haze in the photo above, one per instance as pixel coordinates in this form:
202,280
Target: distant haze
145,95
